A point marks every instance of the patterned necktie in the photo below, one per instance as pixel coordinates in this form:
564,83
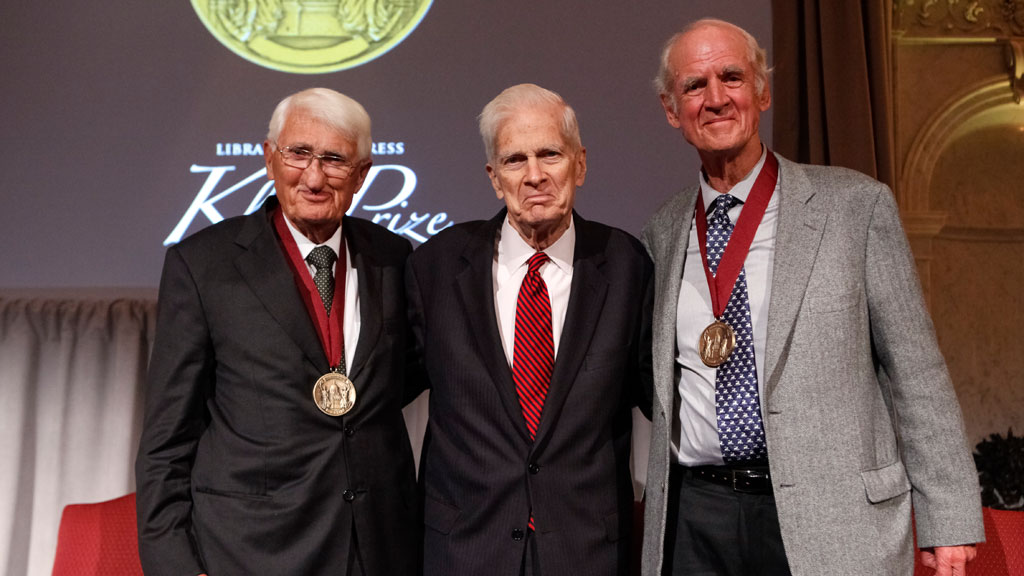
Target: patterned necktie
322,258
740,429
533,351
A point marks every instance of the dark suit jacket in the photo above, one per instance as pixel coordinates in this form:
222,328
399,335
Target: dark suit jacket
480,473
238,471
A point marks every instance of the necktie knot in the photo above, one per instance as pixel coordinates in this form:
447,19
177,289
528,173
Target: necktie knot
535,262
322,258
721,206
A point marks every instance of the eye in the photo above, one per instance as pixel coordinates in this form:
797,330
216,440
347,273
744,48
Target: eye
297,152
550,155
334,161
694,86
514,160
732,80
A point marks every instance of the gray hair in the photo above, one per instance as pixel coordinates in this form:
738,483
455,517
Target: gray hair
755,55
517,98
334,108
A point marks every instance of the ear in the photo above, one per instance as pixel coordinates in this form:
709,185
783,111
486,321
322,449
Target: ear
268,156
364,169
493,175
581,166
668,102
765,102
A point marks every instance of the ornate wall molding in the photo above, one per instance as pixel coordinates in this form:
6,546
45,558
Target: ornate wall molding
959,18
938,132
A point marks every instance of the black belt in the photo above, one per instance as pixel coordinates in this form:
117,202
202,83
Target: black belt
745,480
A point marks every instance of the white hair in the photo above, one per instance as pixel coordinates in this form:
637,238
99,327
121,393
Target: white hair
755,55
334,108
517,98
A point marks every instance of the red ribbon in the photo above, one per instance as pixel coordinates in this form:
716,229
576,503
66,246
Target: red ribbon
722,283
331,334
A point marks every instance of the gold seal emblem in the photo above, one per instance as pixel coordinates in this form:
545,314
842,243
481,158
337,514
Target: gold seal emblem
716,343
334,394
310,36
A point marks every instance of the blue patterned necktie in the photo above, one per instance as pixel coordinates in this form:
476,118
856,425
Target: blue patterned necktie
740,429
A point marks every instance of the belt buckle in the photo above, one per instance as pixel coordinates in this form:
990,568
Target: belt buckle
752,490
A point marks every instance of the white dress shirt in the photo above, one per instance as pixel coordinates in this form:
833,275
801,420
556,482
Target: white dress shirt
509,269
352,320
695,439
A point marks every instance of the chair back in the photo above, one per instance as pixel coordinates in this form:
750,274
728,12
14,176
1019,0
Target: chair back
98,538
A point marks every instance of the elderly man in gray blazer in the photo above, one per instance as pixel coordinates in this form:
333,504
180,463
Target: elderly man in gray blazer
802,408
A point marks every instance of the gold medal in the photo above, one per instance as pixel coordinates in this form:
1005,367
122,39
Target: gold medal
334,394
716,343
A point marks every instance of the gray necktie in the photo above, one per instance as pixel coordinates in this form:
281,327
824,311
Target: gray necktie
322,258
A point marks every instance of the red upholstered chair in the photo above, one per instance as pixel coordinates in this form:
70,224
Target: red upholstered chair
1002,553
98,538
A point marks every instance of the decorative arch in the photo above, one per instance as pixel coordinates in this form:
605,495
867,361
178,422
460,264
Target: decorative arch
913,194
939,132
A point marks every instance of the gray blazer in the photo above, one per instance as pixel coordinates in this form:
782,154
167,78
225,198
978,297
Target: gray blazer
861,418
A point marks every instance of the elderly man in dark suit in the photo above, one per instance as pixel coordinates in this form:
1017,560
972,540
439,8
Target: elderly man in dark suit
802,406
532,329
273,440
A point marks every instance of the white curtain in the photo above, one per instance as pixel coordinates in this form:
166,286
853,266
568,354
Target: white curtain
72,371
71,374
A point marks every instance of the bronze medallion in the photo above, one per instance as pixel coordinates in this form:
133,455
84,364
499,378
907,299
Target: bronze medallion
334,394
716,343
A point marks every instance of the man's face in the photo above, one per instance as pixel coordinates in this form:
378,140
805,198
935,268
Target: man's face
310,199
535,171
714,100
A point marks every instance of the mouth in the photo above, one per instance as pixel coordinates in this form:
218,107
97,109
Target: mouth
718,120
537,199
315,195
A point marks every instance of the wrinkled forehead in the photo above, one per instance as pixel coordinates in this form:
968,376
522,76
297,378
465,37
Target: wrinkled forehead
531,124
710,49
307,129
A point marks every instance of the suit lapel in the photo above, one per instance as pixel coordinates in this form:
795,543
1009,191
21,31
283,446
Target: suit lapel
264,269
676,240
370,280
586,299
475,284
802,215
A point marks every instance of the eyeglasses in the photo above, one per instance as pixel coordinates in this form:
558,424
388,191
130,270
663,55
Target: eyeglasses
334,166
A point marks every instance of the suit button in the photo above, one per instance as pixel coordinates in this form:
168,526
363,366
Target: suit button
350,431
534,468
348,495
517,534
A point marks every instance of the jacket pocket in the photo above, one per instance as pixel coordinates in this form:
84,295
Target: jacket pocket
885,483
835,302
609,358
230,494
439,516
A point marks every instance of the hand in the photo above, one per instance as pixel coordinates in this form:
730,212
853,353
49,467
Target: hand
948,560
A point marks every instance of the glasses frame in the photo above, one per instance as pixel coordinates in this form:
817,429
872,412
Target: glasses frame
341,171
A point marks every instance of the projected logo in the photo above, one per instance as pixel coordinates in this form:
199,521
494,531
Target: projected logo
386,197
311,36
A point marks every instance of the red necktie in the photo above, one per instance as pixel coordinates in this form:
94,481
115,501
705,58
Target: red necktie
534,350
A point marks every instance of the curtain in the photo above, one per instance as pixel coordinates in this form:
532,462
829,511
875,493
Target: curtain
71,374
832,84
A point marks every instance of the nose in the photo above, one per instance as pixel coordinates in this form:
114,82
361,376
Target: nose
534,175
313,176
715,94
